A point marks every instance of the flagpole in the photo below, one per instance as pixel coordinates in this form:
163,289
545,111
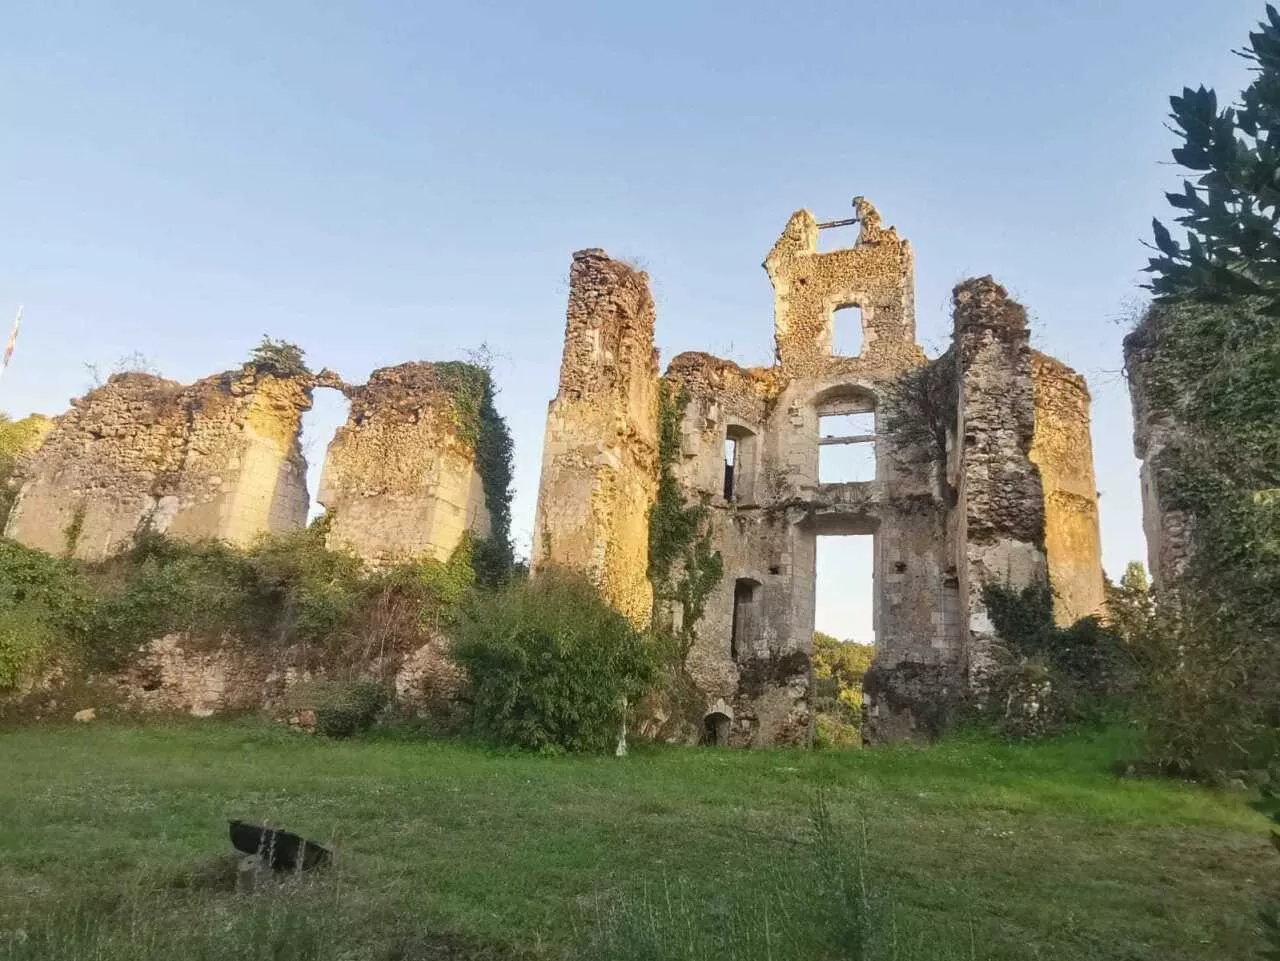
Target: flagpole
13,340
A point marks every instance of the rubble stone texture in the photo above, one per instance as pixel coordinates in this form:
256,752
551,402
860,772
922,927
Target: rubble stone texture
600,454
944,520
219,458
400,476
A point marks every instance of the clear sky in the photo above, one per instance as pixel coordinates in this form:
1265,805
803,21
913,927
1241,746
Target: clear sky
391,181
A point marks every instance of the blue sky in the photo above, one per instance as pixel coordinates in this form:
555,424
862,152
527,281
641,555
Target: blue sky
382,181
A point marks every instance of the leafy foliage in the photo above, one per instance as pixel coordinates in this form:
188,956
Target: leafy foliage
1213,666
279,357
472,389
1232,208
351,707
683,567
838,669
16,438
285,590
1048,676
550,665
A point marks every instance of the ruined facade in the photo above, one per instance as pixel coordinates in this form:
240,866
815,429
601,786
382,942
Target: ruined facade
221,459
218,458
600,454
1000,490
400,476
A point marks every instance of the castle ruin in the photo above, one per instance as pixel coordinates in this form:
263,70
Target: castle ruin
979,470
221,459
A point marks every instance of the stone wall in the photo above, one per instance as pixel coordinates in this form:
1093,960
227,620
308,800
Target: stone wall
999,525
876,275
1157,433
400,476
1062,449
951,507
218,458
600,455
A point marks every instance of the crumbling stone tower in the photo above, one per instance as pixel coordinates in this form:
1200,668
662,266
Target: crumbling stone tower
600,455
219,458
400,477
977,469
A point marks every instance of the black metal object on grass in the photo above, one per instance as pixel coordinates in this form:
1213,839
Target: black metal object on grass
283,850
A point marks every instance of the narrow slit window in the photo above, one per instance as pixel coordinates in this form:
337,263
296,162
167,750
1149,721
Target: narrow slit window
730,465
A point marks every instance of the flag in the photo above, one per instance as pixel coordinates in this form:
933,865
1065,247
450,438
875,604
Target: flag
13,339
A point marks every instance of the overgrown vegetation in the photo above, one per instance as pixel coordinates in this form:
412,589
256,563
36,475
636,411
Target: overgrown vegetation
683,567
1046,677
279,357
286,590
919,408
838,670
1211,349
471,386
550,665
16,438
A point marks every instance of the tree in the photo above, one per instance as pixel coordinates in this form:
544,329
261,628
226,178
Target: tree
1232,208
1130,606
279,357
16,438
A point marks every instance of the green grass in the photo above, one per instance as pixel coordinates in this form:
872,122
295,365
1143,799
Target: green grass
972,850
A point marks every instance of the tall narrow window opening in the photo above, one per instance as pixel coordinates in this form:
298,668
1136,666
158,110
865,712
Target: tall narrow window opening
730,465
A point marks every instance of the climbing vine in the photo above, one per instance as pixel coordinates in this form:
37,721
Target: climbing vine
919,410
1215,674
683,567
470,385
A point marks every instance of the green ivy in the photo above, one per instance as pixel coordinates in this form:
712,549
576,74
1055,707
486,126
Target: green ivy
683,567
1215,675
472,391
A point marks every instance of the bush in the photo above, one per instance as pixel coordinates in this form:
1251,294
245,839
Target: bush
550,665
1047,676
350,707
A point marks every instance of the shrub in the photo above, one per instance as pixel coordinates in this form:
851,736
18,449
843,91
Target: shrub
350,707
1047,676
550,665
25,639
279,357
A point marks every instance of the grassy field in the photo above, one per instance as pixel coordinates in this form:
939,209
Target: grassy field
113,845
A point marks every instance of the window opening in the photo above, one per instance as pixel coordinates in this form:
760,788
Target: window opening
730,465
846,331
847,447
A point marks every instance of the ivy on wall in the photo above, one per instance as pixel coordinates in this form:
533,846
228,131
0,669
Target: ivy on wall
683,567
1213,368
470,385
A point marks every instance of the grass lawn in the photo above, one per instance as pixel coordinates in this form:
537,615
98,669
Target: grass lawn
110,836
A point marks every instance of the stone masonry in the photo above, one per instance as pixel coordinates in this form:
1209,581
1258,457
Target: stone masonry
600,455
219,458
400,476
1009,479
